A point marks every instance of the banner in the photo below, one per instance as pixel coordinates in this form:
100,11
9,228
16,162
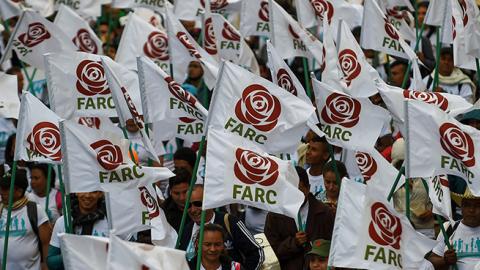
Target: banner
238,171
84,252
254,18
9,101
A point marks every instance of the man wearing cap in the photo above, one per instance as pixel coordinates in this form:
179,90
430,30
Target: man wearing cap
317,258
464,237
26,248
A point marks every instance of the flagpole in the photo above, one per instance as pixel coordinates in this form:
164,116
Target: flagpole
109,32
9,214
437,59
395,184
307,78
68,208
64,207
48,189
200,240
409,67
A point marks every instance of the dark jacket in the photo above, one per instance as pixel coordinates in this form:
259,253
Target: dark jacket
226,263
240,244
173,214
280,231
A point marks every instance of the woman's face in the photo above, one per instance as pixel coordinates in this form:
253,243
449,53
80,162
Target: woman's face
212,245
39,181
318,263
88,201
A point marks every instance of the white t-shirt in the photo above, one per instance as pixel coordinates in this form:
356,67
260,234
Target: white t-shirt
52,203
317,186
466,242
100,228
23,252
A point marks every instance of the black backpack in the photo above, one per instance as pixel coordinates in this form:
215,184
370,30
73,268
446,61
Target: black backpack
33,218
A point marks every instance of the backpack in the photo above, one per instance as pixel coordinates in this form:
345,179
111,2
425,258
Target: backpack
33,218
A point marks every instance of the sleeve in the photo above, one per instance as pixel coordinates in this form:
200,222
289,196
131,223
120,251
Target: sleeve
439,248
41,215
284,247
245,242
54,258
57,229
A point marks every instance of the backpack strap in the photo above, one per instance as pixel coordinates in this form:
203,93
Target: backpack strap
33,218
227,224
451,229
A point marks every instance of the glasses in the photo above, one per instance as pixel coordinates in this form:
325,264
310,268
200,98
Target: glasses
195,203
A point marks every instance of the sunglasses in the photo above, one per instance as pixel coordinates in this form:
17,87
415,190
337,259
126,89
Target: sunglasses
196,204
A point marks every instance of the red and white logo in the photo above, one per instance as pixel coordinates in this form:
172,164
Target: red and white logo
210,41
91,122
391,31
322,8
457,143
177,91
215,4
285,81
183,38
85,42
454,32
109,156
258,108
428,97
45,140
397,14
463,6
36,33
324,61
187,120
342,110
349,64
132,108
149,202
91,78
252,168
156,46
229,33
292,32
263,11
366,164
385,228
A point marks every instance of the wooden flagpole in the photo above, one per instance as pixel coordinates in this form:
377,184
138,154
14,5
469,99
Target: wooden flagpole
9,214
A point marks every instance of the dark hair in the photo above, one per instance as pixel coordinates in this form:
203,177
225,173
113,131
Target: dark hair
186,154
341,169
182,175
302,176
212,227
399,62
357,31
44,168
319,139
20,180
446,50
423,3
8,148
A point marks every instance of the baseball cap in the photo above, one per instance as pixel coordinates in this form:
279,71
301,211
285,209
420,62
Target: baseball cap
320,247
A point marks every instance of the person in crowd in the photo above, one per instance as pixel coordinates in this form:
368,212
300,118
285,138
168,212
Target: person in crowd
239,242
30,229
177,189
214,256
463,236
89,218
317,258
397,73
332,189
140,153
184,158
39,173
194,83
291,242
316,157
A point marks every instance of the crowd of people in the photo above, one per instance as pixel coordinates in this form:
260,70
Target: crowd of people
231,233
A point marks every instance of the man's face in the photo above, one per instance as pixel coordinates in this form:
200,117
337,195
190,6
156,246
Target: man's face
195,209
212,246
397,73
180,163
330,182
179,194
316,153
471,212
195,70
422,11
318,263
446,64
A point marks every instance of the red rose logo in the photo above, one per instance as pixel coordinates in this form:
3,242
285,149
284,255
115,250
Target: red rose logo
322,7
132,108
463,6
385,228
292,32
85,42
341,109
431,98
36,33
183,38
252,168
91,122
210,41
215,4
149,202
91,78
187,120
454,33
156,46
349,64
457,143
366,164
391,31
229,33
109,156
45,140
285,81
177,91
397,14
263,11
324,61
258,108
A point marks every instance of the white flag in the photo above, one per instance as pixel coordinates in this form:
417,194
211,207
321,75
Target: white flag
85,8
139,38
435,13
442,145
312,12
353,123
34,36
258,110
190,10
38,134
9,9
98,160
186,128
123,255
330,68
439,193
83,252
157,5
9,101
78,30
254,18
472,27
238,171
77,85
460,20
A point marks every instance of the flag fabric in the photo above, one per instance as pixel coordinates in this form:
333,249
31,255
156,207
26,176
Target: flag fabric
184,49
9,101
185,128
157,5
83,252
129,255
43,7
77,85
208,33
460,20
439,13
9,9
238,171
85,8
78,30
439,194
190,10
254,19
312,12
331,73
99,160
442,145
472,27
353,123
258,110
35,36
38,134
139,38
